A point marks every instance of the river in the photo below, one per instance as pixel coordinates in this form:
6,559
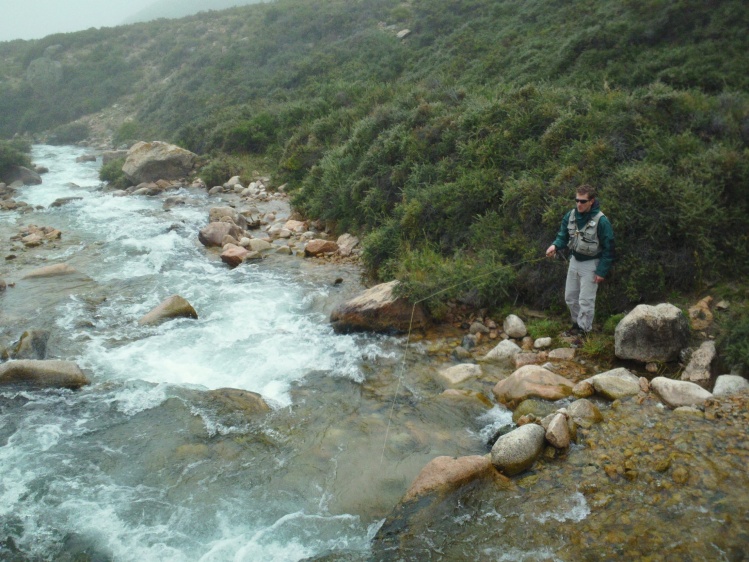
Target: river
141,465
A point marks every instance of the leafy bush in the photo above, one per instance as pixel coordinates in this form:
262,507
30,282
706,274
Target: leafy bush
69,134
13,153
112,173
734,341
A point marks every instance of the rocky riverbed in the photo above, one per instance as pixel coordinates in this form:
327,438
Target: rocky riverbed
254,431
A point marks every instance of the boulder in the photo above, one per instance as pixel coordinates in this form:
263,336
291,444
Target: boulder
700,315
504,352
216,214
86,158
531,381
346,244
445,474
615,384
50,271
514,327
233,255
151,161
173,307
679,393
23,175
228,401
318,247
651,333
64,201
458,374
558,432
528,358
699,370
378,310
295,226
42,374
535,408
584,413
730,384
259,245
213,234
562,354
32,345
516,451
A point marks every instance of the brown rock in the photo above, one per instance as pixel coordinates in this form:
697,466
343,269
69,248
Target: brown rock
42,374
50,271
530,381
558,432
173,307
523,359
378,310
318,247
562,354
443,474
233,255
700,315
213,234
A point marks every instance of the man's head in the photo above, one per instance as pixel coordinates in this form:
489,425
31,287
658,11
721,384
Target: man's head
585,195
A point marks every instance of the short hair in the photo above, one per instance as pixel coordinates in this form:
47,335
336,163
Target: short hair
588,190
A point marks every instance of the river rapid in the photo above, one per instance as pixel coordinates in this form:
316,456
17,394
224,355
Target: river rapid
141,465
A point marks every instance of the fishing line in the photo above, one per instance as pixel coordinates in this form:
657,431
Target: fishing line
410,326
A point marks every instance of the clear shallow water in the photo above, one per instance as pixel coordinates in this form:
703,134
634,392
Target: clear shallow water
140,465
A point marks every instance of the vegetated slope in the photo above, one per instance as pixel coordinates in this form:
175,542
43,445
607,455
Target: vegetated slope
456,149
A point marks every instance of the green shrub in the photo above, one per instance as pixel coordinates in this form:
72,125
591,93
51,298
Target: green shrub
13,153
112,173
70,133
218,171
734,341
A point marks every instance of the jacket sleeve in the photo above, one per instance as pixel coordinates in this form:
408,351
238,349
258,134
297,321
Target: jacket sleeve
606,236
563,236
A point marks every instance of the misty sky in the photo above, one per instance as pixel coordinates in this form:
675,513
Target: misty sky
32,19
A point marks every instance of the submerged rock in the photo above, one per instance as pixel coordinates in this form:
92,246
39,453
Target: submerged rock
444,474
42,374
31,345
378,310
173,307
51,271
584,413
459,373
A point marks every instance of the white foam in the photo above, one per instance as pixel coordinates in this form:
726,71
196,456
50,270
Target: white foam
576,510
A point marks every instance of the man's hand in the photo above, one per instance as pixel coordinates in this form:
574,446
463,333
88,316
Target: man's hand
598,279
551,251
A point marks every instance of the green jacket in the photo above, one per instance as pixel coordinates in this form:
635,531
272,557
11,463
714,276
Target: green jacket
605,235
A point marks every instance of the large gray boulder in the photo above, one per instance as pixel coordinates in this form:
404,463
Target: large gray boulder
216,214
616,383
725,385
22,174
42,374
213,234
652,333
31,345
152,161
173,307
378,310
516,451
503,353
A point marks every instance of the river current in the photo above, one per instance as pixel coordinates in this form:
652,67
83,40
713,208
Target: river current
142,465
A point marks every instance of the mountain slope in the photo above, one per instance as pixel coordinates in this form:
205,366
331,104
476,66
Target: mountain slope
180,8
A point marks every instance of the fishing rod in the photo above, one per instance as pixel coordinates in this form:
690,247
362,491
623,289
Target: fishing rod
410,326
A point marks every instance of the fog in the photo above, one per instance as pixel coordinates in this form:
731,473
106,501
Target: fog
32,19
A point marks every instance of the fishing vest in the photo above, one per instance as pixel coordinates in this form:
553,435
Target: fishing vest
584,241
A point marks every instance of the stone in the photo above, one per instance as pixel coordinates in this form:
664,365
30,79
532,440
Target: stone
64,201
33,240
86,158
699,369
259,245
700,315
517,450
514,326
583,389
295,226
231,400
151,161
31,345
535,407
478,328
558,432
504,352
726,385
616,384
523,359
23,175
233,255
651,333
445,474
679,393
584,413
542,343
346,244
562,354
318,247
3,285
51,271
213,234
42,374
378,309
172,307
531,381
218,214
458,374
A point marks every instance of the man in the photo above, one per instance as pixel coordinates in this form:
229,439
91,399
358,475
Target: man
588,234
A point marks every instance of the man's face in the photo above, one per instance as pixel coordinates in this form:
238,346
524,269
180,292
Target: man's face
584,202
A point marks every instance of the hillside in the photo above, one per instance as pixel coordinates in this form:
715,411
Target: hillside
181,8
453,148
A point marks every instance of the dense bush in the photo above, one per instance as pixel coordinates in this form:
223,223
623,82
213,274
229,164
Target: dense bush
112,173
13,153
69,134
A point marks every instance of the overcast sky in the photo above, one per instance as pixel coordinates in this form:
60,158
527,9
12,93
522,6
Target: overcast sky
32,19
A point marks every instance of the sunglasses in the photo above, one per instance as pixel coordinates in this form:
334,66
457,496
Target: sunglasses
582,201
